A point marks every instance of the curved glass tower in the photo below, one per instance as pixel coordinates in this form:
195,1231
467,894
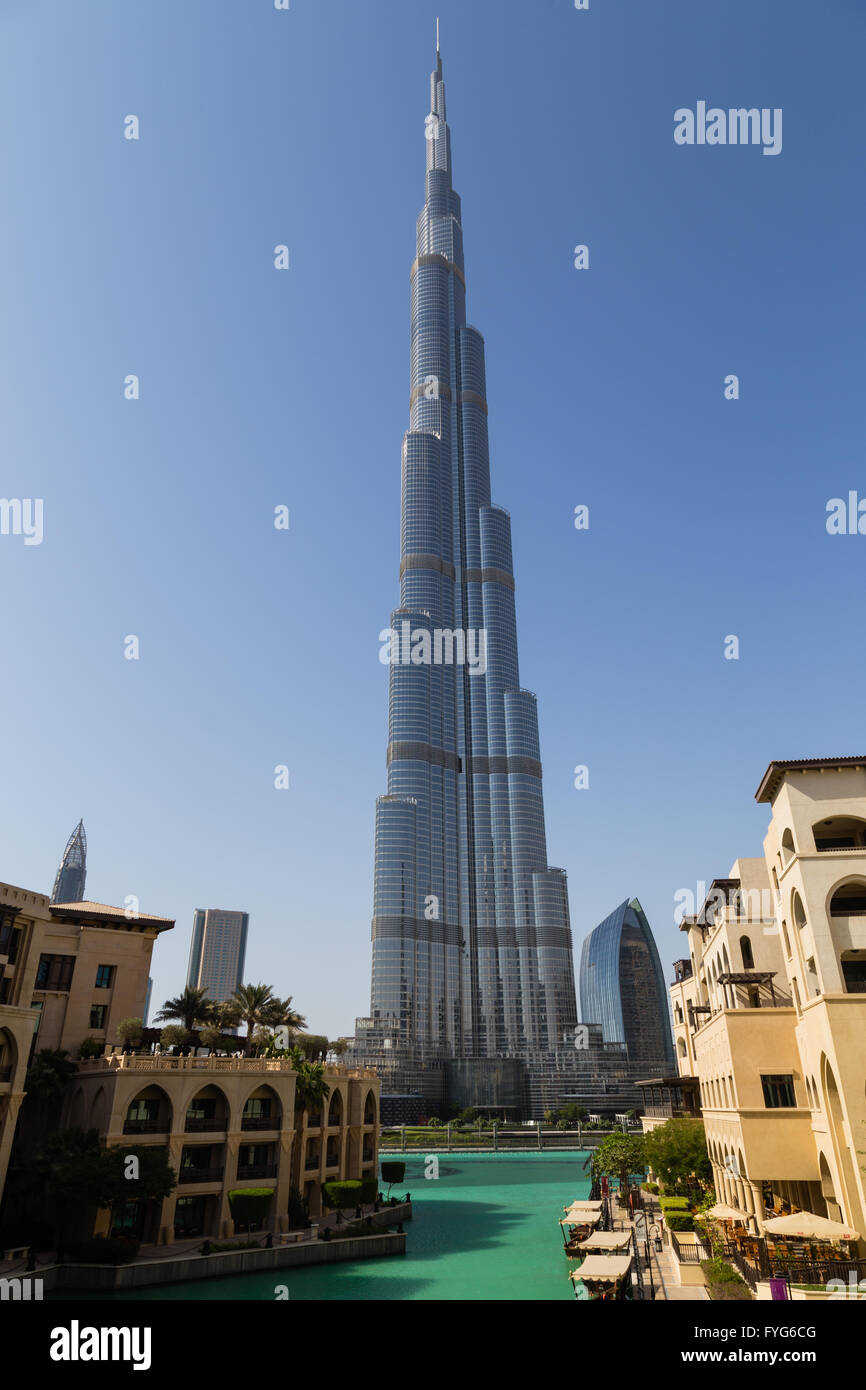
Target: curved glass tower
472,951
72,874
622,987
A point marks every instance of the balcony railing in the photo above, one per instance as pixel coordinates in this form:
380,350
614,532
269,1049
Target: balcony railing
145,1127
5,1074
260,1122
312,1162
200,1174
213,1124
257,1170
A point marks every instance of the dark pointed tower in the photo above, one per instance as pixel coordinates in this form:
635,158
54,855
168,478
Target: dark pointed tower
472,952
69,883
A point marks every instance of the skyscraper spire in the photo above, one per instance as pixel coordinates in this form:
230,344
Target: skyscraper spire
472,963
71,876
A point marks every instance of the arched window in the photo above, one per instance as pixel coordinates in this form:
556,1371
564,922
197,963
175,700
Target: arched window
788,850
798,911
786,940
839,833
746,953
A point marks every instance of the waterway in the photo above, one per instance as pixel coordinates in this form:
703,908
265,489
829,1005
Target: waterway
485,1228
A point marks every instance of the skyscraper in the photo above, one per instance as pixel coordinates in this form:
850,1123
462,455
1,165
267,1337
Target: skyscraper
218,951
622,987
473,979
70,879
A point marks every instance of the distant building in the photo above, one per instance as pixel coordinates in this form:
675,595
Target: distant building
69,882
147,1001
218,951
622,987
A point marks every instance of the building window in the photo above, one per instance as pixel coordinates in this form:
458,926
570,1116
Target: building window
104,976
54,972
746,950
779,1092
97,1015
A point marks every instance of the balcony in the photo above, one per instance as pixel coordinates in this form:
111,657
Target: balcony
313,1163
188,1175
213,1124
257,1170
156,1126
5,1074
260,1122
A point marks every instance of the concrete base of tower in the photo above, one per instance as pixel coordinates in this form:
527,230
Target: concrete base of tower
487,1083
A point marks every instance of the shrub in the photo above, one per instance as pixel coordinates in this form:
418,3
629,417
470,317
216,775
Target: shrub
651,1187
90,1047
680,1221
724,1283
102,1250
393,1172
674,1204
250,1205
350,1193
299,1211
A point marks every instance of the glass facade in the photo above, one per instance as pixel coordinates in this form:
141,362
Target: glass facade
472,950
622,987
72,874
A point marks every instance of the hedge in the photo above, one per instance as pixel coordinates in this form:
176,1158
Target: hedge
680,1221
350,1193
250,1204
674,1203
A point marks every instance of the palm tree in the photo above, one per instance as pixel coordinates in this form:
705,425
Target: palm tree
255,1006
282,1012
311,1092
191,1007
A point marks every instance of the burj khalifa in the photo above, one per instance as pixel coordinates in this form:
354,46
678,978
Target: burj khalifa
473,993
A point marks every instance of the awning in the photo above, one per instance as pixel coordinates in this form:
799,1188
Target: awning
581,1218
722,1212
584,1206
603,1269
809,1226
606,1240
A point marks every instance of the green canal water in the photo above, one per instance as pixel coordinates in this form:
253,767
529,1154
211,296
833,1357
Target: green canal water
485,1229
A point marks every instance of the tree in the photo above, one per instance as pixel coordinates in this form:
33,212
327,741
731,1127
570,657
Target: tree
130,1032
393,1172
677,1151
190,1008
255,1006
619,1156
175,1035
282,1012
311,1092
47,1076
314,1046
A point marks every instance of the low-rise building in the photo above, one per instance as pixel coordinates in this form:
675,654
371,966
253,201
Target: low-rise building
770,1006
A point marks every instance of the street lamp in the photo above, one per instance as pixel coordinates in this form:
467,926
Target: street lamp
657,1238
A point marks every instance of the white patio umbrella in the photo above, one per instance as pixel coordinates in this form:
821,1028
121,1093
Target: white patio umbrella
809,1226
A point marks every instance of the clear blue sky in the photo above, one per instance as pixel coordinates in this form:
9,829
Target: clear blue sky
259,388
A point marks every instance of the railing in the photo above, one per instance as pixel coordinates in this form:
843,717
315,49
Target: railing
257,1170
141,1061
260,1122
208,1125
313,1162
5,1074
146,1127
421,1138
200,1174
688,1252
